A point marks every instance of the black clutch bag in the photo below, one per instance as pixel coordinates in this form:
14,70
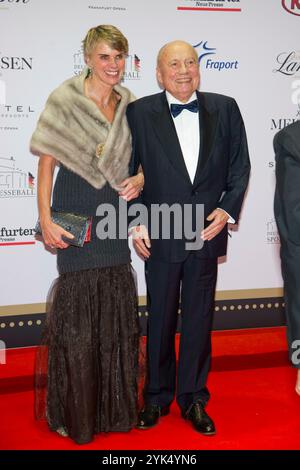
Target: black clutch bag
77,225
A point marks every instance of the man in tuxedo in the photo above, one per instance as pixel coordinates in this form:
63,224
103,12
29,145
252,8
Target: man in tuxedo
287,215
193,150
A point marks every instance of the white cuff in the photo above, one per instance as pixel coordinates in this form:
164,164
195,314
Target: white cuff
230,220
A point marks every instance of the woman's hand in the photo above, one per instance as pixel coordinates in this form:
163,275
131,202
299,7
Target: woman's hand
132,187
52,234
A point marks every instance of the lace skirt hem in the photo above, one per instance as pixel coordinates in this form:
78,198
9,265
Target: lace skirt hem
87,364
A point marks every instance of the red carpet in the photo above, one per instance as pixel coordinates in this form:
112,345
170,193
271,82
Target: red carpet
253,402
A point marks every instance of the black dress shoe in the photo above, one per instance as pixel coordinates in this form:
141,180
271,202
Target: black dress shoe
200,419
150,415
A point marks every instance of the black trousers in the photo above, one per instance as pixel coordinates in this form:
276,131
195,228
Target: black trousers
196,278
290,263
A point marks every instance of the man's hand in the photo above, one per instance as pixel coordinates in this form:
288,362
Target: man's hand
218,219
141,241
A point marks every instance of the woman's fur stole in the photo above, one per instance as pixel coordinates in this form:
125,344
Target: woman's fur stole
73,130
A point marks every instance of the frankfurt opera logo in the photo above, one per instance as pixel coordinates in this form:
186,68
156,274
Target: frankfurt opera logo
292,6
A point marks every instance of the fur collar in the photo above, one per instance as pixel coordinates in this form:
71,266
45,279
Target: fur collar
72,129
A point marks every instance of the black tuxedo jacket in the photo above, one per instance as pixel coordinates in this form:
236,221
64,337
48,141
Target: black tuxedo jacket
223,165
287,193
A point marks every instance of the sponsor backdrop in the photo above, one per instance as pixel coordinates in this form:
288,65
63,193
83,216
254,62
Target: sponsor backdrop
247,49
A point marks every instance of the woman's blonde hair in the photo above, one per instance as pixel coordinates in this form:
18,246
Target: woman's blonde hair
104,33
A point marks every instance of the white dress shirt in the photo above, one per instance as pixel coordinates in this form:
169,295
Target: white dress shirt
188,133
187,128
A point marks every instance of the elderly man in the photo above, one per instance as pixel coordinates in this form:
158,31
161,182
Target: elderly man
286,209
193,150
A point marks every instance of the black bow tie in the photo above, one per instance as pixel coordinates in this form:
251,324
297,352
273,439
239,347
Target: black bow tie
177,108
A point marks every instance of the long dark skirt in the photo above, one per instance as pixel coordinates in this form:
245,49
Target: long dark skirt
87,365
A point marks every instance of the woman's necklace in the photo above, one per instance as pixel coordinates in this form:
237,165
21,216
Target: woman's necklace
111,101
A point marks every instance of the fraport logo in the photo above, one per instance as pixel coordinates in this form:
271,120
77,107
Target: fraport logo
207,58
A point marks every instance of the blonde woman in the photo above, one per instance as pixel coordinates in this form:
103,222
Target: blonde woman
91,334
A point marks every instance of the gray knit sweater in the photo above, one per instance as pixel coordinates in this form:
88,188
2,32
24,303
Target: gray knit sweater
72,193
